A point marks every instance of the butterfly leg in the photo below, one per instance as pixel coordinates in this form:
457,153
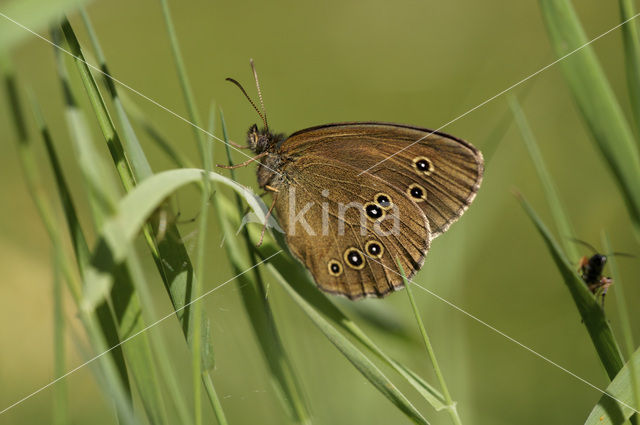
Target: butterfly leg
236,145
243,164
266,218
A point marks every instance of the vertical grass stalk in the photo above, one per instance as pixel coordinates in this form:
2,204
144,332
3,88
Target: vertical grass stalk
450,404
623,317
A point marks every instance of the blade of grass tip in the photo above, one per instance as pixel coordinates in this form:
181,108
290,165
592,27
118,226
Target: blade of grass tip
592,315
597,102
139,164
79,243
194,115
623,315
631,57
616,406
451,405
293,271
60,399
563,225
254,298
108,369
368,369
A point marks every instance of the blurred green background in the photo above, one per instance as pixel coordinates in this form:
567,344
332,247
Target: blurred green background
420,63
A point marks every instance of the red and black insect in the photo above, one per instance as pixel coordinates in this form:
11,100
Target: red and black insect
591,268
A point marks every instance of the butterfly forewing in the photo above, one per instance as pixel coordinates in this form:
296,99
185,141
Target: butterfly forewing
445,169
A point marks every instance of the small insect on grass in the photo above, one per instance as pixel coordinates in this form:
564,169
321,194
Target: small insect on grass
591,269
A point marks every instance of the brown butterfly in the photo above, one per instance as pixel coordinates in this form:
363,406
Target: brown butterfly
354,198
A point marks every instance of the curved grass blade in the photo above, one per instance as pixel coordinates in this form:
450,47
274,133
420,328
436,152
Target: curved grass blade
563,225
170,254
126,302
293,271
597,103
610,412
592,315
369,370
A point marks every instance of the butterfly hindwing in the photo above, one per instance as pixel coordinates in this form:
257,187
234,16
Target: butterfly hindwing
322,210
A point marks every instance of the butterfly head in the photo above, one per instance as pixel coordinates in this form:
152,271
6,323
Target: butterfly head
262,140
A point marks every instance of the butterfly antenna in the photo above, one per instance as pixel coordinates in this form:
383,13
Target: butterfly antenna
588,245
264,111
248,98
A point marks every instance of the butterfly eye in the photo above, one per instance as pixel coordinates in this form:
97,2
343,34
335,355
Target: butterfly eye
417,192
373,211
335,268
383,200
374,249
354,258
423,165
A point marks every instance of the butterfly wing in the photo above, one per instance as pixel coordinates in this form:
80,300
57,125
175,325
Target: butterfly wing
323,210
446,169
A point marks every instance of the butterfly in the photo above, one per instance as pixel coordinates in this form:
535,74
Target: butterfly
358,199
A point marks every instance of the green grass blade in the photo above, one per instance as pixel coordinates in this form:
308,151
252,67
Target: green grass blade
631,57
60,398
595,98
196,355
293,271
121,229
170,254
609,411
108,371
139,165
212,394
563,225
194,115
369,370
79,243
100,109
623,315
451,405
125,295
258,309
592,315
